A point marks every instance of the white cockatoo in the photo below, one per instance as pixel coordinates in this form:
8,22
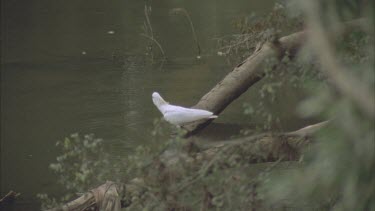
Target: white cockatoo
178,115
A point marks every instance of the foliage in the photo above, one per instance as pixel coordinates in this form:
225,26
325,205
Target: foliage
338,172
181,175
254,30
172,174
83,164
283,80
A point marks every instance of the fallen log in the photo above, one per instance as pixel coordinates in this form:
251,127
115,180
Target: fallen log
244,75
252,69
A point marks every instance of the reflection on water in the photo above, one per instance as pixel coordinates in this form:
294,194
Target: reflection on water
50,88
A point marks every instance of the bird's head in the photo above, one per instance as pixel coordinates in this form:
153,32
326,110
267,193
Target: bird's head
158,100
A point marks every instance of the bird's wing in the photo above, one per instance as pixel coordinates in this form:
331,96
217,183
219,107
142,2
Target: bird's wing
172,108
180,115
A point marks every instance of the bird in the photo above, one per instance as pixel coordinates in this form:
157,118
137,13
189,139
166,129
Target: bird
178,115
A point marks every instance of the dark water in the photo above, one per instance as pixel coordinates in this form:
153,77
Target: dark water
80,66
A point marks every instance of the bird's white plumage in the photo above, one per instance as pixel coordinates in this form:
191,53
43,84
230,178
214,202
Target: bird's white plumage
178,115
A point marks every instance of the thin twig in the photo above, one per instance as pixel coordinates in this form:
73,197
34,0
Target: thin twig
148,22
186,14
157,43
149,31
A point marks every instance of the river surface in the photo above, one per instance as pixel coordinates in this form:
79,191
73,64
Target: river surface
82,66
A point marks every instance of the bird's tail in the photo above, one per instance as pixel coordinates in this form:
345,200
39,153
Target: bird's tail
213,117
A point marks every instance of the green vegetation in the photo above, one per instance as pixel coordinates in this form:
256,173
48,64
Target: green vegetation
83,164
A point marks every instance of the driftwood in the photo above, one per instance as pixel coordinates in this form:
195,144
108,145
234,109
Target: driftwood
104,198
252,69
9,197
